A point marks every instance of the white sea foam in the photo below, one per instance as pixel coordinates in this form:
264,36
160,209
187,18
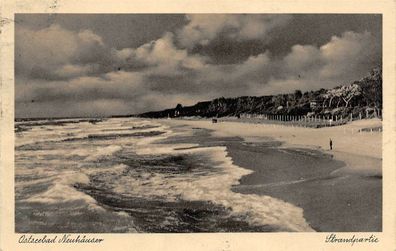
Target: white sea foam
62,191
36,172
48,133
216,187
21,184
162,149
116,169
90,153
61,188
103,152
123,214
260,210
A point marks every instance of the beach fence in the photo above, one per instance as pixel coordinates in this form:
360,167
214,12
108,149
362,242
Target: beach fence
313,120
298,120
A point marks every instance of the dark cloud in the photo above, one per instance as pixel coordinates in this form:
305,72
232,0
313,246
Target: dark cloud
56,53
228,39
117,30
224,51
204,28
64,71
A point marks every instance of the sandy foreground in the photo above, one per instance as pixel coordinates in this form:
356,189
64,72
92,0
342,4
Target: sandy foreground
347,198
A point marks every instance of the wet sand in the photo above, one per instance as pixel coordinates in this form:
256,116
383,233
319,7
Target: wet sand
339,190
332,202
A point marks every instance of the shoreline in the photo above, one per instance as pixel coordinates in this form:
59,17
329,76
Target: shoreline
337,197
361,152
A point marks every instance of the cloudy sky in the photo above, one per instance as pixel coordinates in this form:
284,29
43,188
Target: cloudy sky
98,65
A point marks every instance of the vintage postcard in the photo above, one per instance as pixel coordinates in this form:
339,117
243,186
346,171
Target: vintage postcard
197,125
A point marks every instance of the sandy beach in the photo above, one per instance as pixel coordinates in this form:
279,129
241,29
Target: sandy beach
339,189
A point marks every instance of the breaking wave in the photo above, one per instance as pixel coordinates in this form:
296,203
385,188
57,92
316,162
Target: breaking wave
119,168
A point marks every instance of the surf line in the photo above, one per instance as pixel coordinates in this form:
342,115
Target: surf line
65,238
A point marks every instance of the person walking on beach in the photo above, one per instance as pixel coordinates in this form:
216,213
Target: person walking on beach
331,144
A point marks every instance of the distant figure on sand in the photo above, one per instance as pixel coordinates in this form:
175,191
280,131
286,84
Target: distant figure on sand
331,144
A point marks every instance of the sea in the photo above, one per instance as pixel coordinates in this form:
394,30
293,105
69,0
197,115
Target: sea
133,175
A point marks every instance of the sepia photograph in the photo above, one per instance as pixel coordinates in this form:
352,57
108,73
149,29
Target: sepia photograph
187,123
198,123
